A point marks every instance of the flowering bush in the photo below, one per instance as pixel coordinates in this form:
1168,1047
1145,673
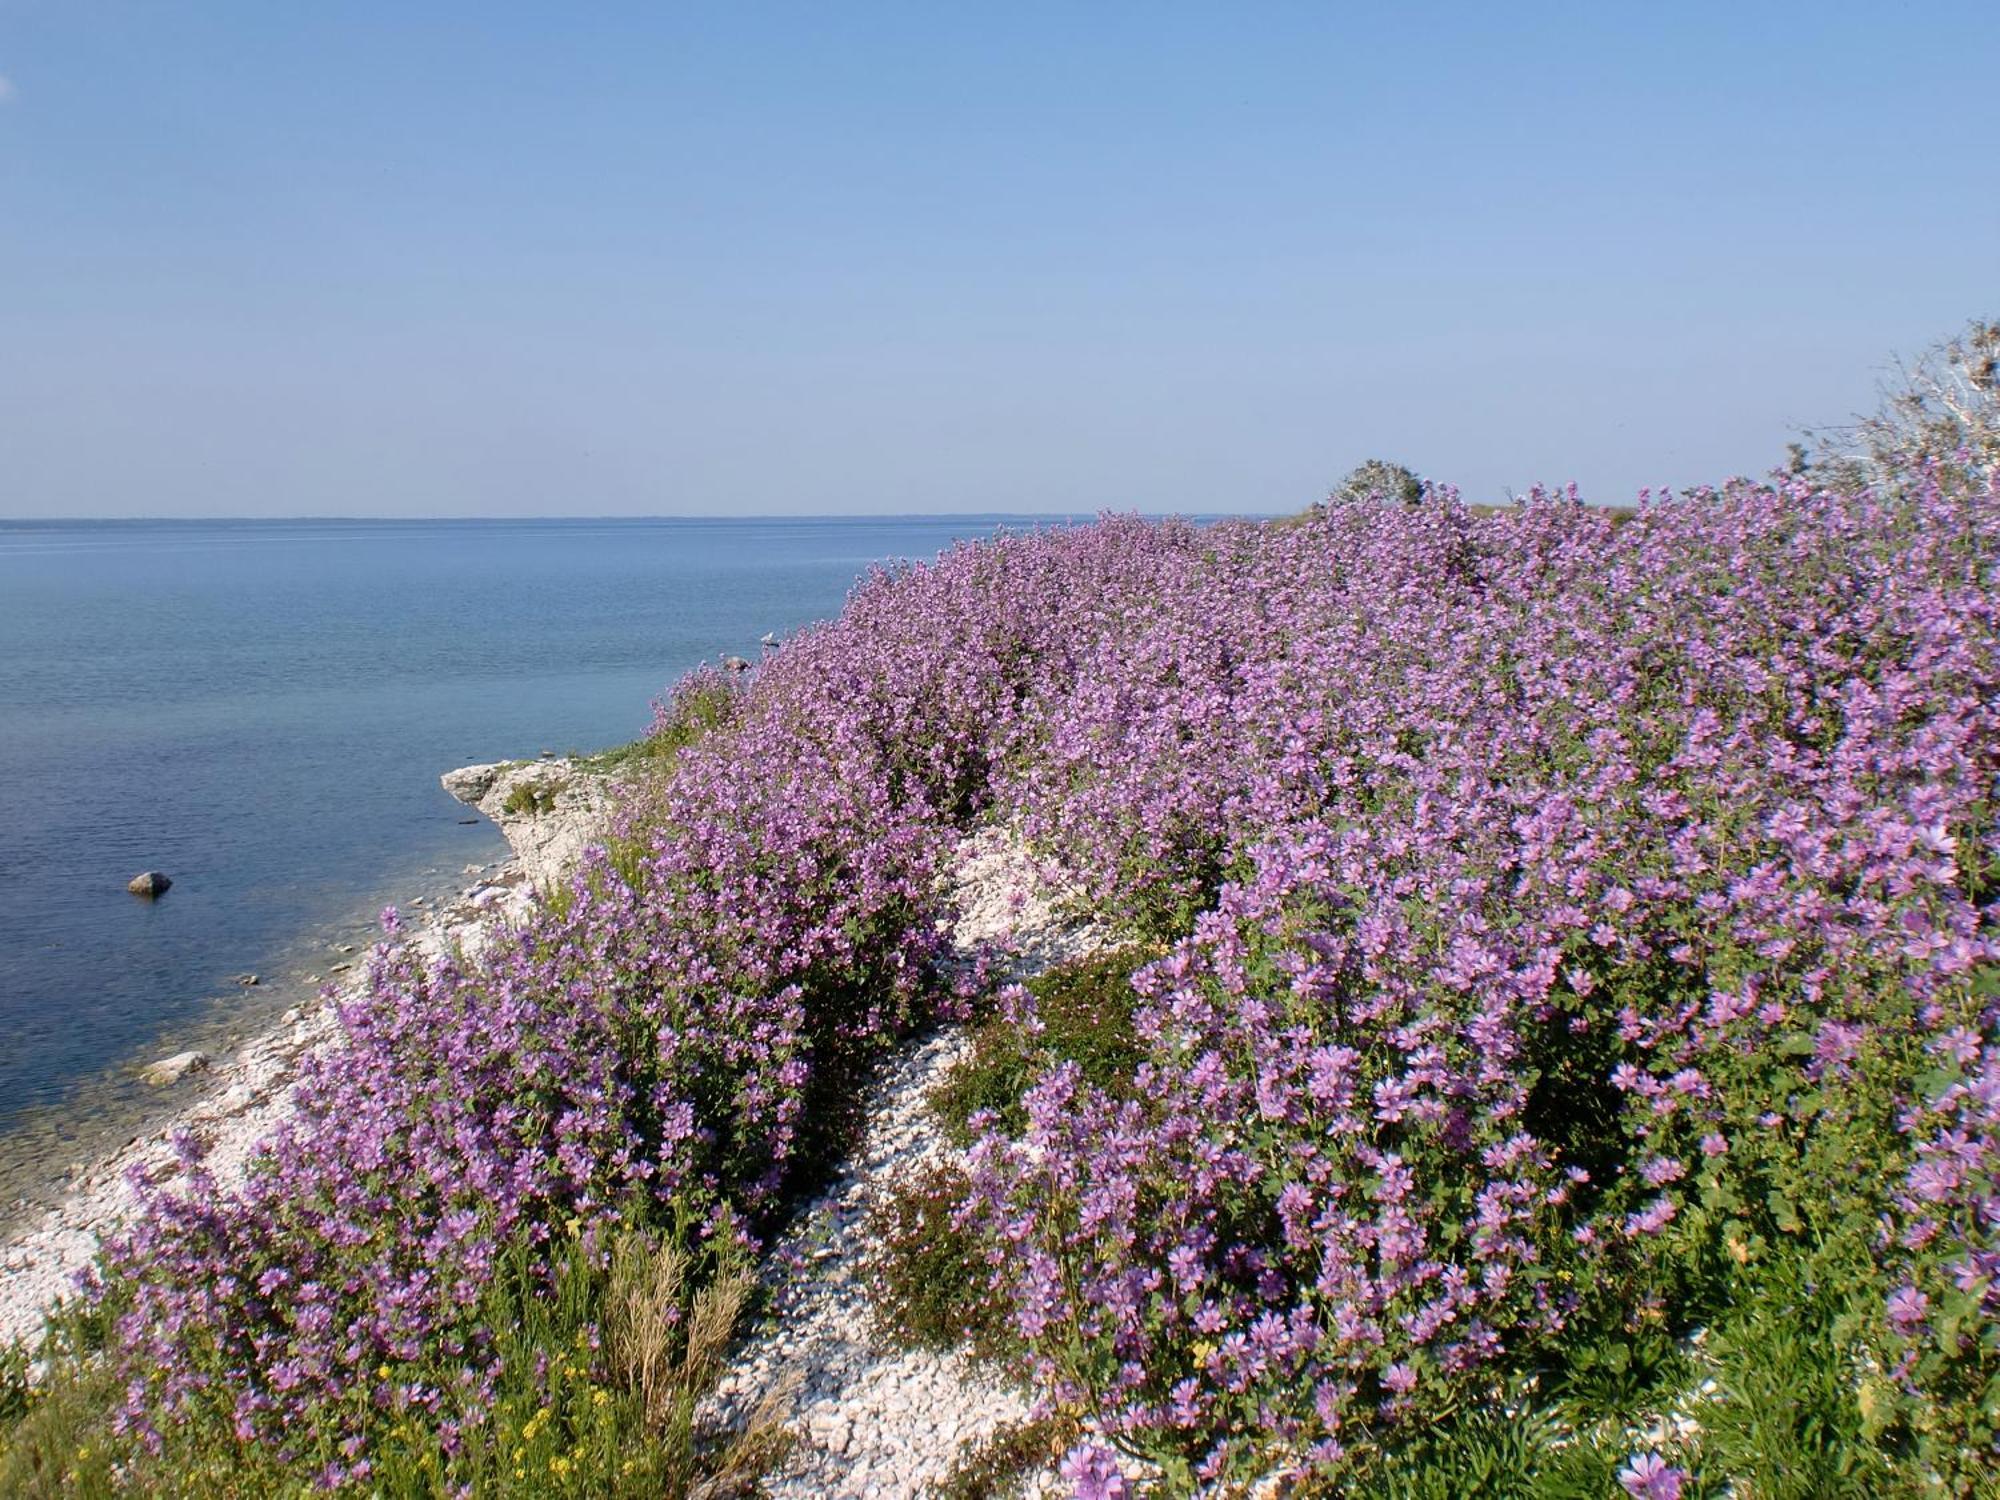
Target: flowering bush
1568,924
642,1050
1604,913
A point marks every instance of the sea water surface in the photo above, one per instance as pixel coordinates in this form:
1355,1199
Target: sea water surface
262,709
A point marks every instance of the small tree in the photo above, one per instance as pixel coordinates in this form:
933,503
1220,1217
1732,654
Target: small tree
1379,479
1944,407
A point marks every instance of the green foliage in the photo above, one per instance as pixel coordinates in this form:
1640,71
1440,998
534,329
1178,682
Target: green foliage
1794,1412
990,1081
1748,1338
1775,1400
1081,1012
1779,1257
930,1280
600,1380
1496,1452
1000,1467
1744,1341
55,1437
605,1353
16,1390
55,1429
533,798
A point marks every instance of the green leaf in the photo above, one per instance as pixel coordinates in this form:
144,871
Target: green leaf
1721,1198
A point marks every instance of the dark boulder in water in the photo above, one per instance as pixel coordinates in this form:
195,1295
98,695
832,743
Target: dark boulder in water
150,883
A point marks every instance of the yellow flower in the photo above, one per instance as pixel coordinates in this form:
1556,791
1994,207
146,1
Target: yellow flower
601,1398
382,1371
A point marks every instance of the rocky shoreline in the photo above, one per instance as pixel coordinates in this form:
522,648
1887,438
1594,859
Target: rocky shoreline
868,1420
245,1096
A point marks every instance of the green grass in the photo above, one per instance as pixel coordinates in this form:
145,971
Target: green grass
1492,1452
929,1283
55,1436
1795,1413
533,798
1086,1012
604,1359
55,1431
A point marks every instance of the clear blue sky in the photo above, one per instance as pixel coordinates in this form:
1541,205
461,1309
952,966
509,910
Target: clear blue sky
590,259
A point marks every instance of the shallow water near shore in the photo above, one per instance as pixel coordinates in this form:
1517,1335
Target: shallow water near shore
262,710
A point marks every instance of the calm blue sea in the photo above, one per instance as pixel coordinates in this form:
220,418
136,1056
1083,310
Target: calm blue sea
262,709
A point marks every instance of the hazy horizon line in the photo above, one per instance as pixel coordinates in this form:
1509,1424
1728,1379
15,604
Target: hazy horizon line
897,515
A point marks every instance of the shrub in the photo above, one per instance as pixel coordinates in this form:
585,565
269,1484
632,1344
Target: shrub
640,1052
598,1357
1001,1466
1378,479
1943,408
533,798
928,1280
1602,897
1079,1011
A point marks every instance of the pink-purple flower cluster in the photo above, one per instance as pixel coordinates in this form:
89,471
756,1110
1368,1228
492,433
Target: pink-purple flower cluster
1564,898
1542,894
642,1050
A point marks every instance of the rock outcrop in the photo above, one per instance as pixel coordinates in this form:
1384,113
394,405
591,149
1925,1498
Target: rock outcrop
173,1069
549,811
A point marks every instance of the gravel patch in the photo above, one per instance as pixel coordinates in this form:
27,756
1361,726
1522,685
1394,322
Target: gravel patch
871,1421
868,1419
